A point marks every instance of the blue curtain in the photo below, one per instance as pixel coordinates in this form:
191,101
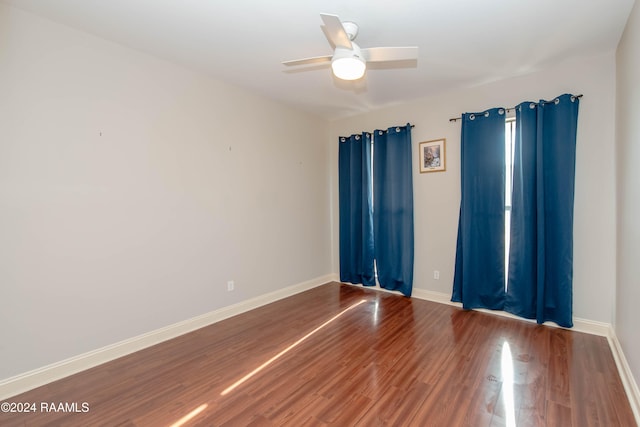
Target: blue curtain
479,267
541,253
356,220
393,208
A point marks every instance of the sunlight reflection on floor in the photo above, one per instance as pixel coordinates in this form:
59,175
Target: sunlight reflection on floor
507,384
286,350
189,416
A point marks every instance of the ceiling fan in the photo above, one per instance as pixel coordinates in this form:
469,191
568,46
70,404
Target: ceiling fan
349,61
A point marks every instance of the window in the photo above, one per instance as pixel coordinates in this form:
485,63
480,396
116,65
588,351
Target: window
509,145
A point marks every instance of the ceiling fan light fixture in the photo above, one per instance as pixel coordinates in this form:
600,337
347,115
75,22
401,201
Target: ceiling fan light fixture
348,64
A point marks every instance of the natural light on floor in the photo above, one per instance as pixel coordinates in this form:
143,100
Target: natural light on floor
286,350
189,416
506,366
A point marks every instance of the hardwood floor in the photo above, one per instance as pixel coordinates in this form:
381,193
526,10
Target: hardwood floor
389,360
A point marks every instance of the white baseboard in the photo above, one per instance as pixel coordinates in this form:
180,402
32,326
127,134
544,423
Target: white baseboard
433,296
41,376
630,384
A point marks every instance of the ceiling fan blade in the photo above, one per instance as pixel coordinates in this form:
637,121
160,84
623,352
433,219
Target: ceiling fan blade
381,54
305,61
335,31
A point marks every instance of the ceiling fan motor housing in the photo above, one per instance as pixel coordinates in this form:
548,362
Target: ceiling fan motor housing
351,28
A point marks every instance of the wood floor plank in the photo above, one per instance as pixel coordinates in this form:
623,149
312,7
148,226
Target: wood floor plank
389,361
559,415
531,395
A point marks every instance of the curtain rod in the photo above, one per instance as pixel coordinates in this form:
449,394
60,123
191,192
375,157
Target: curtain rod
344,138
454,119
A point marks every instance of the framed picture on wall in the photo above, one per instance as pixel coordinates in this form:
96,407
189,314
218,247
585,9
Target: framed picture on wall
432,156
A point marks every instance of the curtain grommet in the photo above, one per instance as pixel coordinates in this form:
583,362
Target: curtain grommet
397,129
556,101
501,111
343,139
532,105
573,98
472,117
357,137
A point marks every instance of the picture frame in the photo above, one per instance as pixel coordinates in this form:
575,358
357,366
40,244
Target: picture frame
432,156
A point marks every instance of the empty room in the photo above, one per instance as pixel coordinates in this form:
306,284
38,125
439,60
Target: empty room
319,213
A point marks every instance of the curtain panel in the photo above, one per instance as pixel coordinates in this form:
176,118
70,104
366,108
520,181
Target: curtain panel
393,208
356,210
541,253
479,265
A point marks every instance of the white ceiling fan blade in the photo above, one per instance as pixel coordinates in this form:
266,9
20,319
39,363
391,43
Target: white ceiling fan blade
335,31
312,60
381,54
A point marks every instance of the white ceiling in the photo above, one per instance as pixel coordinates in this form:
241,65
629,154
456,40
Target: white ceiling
461,42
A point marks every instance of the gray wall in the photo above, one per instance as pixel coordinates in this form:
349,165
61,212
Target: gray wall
627,321
132,190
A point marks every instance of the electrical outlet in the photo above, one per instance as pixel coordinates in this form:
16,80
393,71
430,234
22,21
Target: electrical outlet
230,285
436,274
